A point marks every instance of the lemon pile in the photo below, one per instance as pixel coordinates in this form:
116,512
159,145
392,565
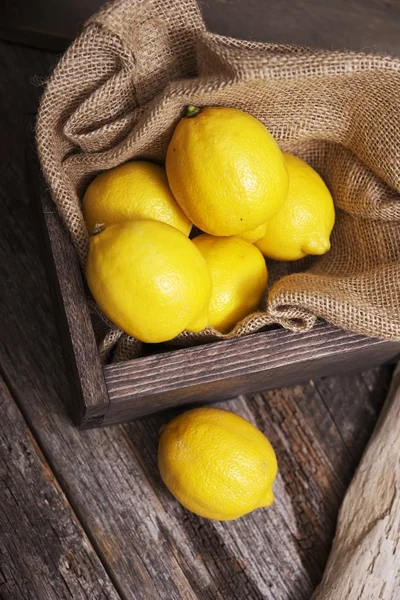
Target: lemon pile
225,174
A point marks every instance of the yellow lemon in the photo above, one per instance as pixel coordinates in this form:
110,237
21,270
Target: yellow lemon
254,234
225,170
304,223
148,278
135,190
239,278
217,464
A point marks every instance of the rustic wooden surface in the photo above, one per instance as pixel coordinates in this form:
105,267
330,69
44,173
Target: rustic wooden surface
44,551
151,547
367,25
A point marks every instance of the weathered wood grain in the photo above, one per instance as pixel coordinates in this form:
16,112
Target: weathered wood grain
343,411
44,552
368,25
221,370
364,562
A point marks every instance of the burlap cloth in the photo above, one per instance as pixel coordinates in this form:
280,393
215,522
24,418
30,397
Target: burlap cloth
122,86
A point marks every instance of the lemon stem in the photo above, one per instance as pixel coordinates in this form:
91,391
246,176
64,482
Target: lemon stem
192,111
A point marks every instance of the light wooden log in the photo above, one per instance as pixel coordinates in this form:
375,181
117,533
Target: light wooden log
364,563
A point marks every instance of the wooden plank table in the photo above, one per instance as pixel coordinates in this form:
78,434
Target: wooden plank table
84,514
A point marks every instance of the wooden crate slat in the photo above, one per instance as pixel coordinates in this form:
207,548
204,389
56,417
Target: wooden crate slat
223,370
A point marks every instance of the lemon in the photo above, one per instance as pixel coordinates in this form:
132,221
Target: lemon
254,234
134,190
148,278
304,223
225,170
239,278
217,464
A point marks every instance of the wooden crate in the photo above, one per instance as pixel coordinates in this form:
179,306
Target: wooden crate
115,393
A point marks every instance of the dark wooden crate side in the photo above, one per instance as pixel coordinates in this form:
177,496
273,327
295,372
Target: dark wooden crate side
226,369
65,279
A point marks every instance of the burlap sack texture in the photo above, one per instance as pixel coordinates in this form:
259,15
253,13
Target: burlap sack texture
122,86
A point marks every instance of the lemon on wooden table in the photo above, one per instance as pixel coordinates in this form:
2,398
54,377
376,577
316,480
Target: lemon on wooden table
148,278
225,170
239,278
304,223
134,190
217,464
